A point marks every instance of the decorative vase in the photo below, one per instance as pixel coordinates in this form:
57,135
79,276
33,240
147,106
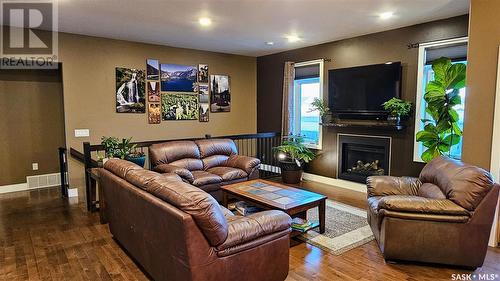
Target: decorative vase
396,120
141,160
290,172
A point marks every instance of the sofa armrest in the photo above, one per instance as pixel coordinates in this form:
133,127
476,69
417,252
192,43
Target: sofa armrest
182,172
255,226
422,205
387,185
246,163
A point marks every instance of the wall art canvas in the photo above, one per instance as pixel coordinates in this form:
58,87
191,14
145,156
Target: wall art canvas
153,69
204,99
130,90
153,91
220,93
202,73
178,78
154,113
177,106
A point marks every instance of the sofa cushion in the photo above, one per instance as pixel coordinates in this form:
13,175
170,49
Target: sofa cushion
209,147
190,164
214,161
120,167
417,204
429,190
167,152
464,184
169,168
200,205
204,178
228,173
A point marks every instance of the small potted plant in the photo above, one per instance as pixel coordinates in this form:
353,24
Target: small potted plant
292,155
320,106
110,145
397,108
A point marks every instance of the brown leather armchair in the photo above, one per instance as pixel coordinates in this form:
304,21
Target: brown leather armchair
444,216
205,163
176,231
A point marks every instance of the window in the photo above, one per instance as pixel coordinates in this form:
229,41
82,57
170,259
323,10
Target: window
456,50
308,85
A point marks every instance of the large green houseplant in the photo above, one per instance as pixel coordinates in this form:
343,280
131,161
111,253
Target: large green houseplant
441,132
292,155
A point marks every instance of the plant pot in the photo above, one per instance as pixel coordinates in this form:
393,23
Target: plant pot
326,119
396,120
137,160
290,172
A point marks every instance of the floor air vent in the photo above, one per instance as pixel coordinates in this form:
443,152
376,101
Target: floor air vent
46,180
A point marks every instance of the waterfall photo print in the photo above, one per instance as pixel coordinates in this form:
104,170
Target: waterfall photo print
130,90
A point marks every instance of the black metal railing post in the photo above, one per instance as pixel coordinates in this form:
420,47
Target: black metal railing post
87,162
63,168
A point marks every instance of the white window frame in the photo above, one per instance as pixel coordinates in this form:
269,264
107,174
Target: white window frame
420,87
298,115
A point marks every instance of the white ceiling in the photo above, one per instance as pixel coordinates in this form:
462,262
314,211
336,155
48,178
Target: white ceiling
242,26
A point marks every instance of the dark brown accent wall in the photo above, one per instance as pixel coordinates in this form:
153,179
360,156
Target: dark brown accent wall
364,50
31,122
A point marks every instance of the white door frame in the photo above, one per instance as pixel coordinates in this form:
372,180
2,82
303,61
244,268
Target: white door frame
495,153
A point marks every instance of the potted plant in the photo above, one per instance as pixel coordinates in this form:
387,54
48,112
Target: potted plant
441,131
292,155
137,157
397,108
110,145
320,106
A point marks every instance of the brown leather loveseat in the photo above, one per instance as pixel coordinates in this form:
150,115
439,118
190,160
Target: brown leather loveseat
204,163
176,231
444,216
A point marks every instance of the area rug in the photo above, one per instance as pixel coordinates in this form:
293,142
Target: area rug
346,228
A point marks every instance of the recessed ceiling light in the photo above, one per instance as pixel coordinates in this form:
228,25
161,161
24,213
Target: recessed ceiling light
205,21
386,15
292,38
269,43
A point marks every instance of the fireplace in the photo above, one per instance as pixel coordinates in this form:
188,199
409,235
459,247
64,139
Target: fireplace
363,156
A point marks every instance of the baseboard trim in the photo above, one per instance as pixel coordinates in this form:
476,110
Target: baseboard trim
13,188
336,182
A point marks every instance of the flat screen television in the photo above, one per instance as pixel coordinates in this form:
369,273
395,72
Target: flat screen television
360,91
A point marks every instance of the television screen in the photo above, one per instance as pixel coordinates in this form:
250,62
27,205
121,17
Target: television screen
363,89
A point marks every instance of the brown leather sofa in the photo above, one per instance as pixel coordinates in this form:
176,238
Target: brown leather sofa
176,231
205,163
444,216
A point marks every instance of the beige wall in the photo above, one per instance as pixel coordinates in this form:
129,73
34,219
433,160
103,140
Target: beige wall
89,92
484,39
31,124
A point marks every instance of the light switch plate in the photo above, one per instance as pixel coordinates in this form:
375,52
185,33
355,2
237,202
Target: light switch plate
34,166
81,133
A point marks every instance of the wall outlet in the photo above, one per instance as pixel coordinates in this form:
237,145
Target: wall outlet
34,166
81,133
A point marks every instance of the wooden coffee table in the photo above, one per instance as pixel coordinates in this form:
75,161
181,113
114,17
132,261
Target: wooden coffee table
274,196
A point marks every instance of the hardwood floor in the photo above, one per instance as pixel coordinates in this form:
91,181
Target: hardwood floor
44,237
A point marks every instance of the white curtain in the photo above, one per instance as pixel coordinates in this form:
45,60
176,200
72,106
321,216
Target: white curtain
288,109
